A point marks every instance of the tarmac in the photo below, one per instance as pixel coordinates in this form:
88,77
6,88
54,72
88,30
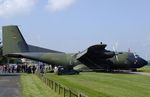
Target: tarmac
142,73
10,85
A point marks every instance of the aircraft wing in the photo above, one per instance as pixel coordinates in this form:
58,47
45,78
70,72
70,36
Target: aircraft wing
94,56
98,51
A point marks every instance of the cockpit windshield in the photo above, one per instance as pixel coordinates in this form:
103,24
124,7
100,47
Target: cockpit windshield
136,56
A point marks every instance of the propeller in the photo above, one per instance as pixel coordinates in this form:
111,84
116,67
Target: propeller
115,50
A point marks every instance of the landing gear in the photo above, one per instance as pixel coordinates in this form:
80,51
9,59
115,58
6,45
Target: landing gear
65,71
134,70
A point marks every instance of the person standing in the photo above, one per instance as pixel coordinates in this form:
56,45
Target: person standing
33,69
13,68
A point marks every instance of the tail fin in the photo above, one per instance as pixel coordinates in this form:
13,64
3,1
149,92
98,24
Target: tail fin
13,41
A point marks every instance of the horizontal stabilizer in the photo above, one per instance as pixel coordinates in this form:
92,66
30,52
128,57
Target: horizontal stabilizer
50,58
32,56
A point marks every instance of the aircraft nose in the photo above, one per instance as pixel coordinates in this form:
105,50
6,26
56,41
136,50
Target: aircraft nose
136,61
144,62
141,62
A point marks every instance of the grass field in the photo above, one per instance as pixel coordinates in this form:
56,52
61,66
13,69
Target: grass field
106,84
145,69
32,86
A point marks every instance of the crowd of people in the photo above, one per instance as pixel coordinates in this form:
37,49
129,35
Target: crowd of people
17,68
25,68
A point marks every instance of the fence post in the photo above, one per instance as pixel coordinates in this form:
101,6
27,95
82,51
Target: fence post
51,84
55,86
48,82
64,92
79,95
58,88
69,93
45,80
42,77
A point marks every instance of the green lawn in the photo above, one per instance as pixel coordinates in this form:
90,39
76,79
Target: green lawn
106,84
32,86
145,69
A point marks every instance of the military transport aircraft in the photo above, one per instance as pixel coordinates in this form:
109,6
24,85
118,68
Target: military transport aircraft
95,57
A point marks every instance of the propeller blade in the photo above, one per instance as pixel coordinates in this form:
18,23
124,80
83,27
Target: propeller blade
117,58
114,49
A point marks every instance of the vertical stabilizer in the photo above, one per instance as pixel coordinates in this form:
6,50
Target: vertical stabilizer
13,41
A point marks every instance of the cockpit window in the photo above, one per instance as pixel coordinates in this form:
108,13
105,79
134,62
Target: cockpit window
136,56
133,56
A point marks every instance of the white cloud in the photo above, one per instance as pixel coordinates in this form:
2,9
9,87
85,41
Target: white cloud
10,8
57,5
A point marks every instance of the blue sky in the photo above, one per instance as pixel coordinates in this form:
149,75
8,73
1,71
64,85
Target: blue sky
74,25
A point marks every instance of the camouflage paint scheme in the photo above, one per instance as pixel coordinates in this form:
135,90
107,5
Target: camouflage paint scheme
94,57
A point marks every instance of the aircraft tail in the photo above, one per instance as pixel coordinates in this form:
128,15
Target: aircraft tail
13,41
